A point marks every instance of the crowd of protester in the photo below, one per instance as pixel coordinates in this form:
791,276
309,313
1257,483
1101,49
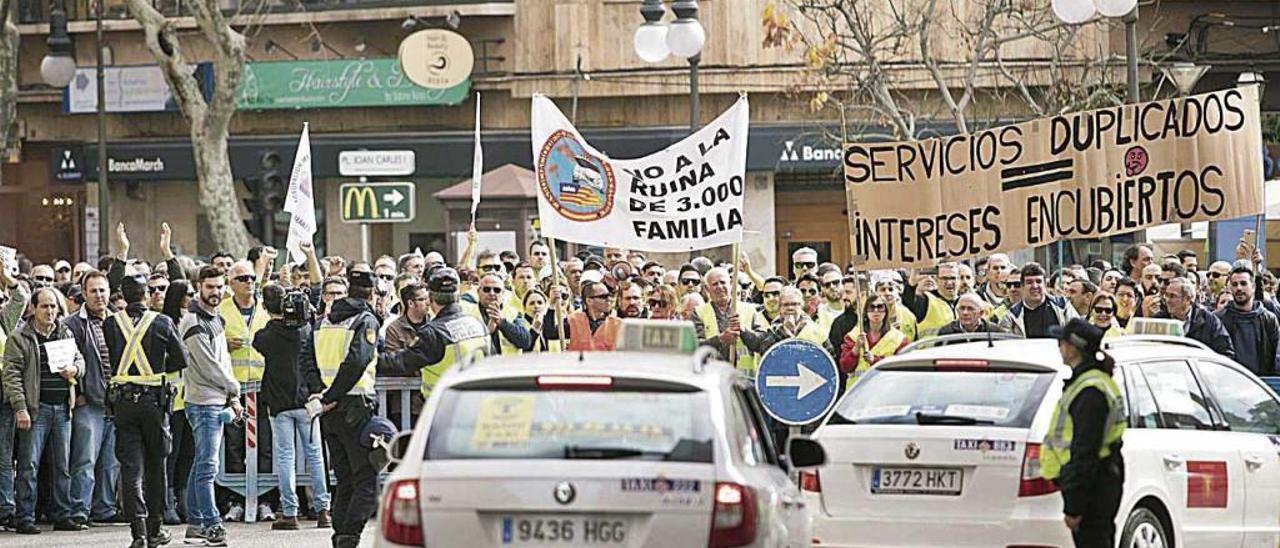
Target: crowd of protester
57,456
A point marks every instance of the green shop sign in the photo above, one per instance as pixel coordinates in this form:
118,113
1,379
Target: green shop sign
337,83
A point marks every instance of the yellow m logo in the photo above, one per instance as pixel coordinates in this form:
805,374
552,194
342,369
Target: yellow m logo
359,197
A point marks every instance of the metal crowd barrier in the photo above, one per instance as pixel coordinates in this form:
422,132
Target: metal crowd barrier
252,483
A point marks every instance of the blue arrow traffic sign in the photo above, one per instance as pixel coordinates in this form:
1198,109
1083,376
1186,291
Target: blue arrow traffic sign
797,382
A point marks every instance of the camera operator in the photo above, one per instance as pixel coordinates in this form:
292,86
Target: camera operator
284,394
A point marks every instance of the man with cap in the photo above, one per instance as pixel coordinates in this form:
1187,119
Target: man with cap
1081,452
62,272
343,354
451,335
146,353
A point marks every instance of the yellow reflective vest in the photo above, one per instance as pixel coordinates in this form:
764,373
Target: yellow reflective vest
246,363
937,316
509,313
1056,451
469,337
827,316
887,346
332,344
906,321
134,357
748,318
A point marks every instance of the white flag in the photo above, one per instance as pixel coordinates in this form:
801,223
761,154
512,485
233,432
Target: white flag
300,201
477,166
684,197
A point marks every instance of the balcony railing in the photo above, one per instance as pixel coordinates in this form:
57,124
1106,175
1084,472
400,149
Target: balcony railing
37,11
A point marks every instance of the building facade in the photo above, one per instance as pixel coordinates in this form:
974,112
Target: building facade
333,66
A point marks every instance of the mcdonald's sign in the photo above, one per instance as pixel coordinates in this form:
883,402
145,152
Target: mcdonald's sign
377,202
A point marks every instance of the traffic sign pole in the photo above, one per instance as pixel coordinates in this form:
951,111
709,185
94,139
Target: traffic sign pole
364,234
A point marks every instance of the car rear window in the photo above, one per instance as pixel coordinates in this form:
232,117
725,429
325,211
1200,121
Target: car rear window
513,423
998,398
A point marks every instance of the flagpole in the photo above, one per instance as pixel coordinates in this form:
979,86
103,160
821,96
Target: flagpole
477,165
555,280
733,301
853,233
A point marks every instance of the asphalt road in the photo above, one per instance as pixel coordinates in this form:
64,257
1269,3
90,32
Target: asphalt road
239,535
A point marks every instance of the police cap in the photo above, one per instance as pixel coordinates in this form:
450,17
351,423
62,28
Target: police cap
1080,334
443,280
136,282
361,278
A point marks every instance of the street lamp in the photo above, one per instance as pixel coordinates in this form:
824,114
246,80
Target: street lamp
684,37
57,69
1184,75
1075,12
1252,79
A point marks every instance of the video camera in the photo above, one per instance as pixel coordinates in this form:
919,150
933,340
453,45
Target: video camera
295,309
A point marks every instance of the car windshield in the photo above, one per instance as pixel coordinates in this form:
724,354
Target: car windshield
997,398
566,424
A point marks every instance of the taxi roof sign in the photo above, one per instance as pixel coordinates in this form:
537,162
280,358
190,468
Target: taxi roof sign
667,336
1156,326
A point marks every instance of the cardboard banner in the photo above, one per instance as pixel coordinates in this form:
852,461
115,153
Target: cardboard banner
1078,175
685,197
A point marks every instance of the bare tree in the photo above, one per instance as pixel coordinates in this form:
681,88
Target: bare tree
9,39
209,120
894,63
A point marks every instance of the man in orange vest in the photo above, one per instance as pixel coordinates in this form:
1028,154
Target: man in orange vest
592,328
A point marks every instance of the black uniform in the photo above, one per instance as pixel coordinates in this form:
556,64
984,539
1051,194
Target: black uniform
142,418
1091,486
355,495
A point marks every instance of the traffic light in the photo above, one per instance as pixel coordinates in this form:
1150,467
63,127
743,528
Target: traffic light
267,191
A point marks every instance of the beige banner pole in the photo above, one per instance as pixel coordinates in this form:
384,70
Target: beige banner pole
555,280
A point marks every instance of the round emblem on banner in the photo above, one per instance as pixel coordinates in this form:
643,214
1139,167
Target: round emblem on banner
578,185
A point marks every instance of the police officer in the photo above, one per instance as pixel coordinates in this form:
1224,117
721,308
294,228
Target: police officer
448,337
1081,452
343,353
145,352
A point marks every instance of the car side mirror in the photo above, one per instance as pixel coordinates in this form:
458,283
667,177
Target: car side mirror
399,446
805,453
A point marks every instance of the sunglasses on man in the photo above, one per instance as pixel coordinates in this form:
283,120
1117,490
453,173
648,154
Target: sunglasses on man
157,289
491,290
691,281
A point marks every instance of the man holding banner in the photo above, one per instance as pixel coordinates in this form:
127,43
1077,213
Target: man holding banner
729,325
933,309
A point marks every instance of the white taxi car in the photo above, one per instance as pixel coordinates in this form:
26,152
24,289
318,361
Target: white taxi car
626,448
941,447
